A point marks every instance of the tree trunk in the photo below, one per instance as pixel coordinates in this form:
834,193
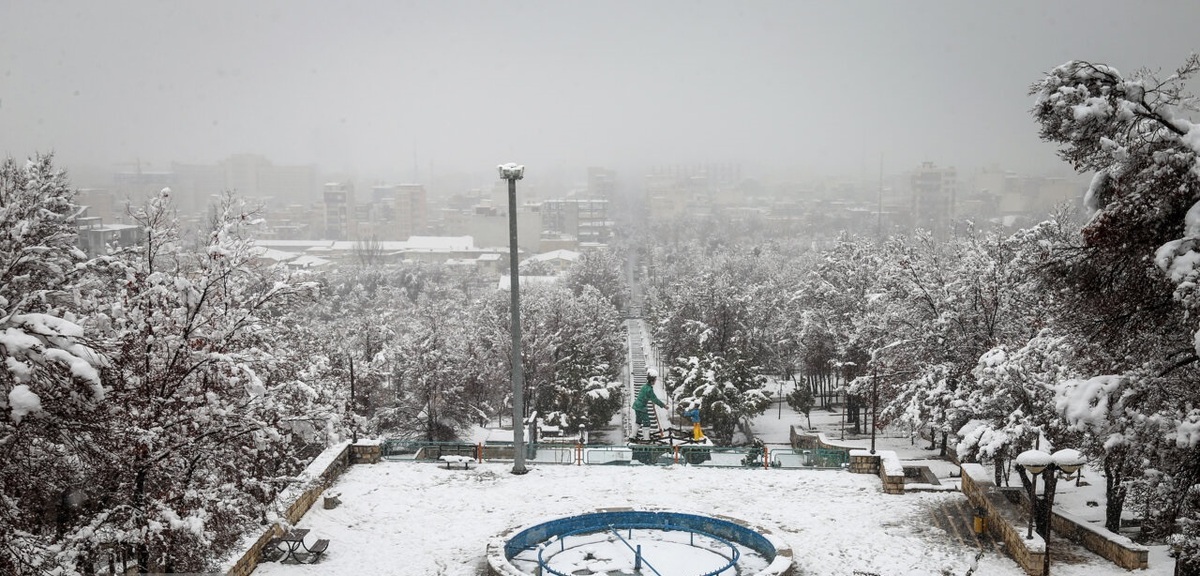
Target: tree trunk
852,412
1114,493
1047,507
944,436
139,503
88,567
62,515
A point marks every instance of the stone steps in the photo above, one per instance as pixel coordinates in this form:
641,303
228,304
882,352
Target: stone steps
957,518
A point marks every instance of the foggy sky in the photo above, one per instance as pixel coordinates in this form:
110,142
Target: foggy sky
823,86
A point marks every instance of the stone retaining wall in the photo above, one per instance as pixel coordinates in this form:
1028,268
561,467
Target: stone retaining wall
1118,549
295,500
366,453
1010,523
864,464
884,464
1003,519
809,441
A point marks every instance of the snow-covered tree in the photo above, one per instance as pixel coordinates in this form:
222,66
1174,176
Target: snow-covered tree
50,387
571,348
1126,284
38,248
725,391
801,400
191,420
938,307
1012,397
836,330
602,270
429,374
721,303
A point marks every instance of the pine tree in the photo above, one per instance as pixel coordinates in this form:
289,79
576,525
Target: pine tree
726,392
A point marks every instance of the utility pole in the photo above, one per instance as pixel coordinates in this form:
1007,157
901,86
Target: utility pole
879,204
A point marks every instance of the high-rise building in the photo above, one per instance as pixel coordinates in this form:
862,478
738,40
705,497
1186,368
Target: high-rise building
339,211
584,219
399,210
412,209
196,185
139,185
249,176
934,192
602,183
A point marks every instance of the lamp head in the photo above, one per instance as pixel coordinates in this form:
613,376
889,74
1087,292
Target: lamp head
1035,461
1069,460
511,171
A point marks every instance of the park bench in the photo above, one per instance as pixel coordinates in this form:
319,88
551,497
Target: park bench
271,551
317,549
451,460
291,547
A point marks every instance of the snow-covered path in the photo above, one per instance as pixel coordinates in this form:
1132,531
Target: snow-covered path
418,519
641,356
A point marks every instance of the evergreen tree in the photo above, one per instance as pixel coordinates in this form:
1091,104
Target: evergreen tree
726,392
801,400
1126,283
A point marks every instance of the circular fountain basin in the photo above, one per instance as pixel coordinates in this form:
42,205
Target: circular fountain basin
620,542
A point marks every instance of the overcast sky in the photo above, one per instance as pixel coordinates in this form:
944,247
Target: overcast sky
362,87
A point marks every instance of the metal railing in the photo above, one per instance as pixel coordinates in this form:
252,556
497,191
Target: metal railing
778,456
732,558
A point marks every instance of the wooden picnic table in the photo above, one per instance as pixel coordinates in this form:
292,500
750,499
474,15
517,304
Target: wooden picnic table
294,540
291,546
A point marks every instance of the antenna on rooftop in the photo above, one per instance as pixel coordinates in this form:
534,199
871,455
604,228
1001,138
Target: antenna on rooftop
879,206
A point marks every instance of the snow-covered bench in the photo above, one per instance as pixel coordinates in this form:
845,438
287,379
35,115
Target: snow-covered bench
451,460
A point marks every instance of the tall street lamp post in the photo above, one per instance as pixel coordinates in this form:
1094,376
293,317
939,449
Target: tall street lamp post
1037,462
875,387
512,173
1032,499
874,403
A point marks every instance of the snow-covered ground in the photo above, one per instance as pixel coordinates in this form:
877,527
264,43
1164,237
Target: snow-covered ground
420,518
405,518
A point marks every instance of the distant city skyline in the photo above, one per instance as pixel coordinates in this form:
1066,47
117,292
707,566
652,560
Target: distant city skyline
817,88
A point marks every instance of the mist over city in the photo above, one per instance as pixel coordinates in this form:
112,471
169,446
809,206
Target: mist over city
410,91
776,287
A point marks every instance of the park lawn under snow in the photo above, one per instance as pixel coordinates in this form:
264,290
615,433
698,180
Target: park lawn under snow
420,518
